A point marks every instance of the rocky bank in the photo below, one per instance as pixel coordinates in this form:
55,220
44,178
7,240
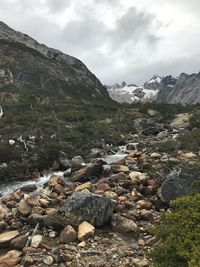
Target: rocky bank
97,213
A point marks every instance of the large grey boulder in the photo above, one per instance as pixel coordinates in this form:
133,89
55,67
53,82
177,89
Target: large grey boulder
86,206
178,183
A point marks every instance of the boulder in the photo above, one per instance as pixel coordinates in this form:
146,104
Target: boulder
87,173
86,206
178,183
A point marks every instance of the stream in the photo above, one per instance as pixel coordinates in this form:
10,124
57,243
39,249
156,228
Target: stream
9,187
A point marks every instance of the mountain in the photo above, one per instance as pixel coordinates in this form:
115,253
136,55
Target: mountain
27,65
185,89
132,93
48,103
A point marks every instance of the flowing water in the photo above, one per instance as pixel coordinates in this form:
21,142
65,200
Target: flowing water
12,186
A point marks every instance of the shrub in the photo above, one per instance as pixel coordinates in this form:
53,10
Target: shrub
180,234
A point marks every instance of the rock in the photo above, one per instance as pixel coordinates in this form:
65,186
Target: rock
43,202
137,176
28,260
55,221
189,155
181,120
6,237
111,194
55,180
178,183
48,260
29,188
120,168
84,186
152,112
152,131
12,258
24,208
155,155
19,242
123,225
85,230
103,187
141,263
144,204
38,210
86,206
36,240
3,211
67,235
33,201
82,244
77,163
87,173
11,142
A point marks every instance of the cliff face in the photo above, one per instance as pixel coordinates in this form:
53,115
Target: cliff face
25,63
185,89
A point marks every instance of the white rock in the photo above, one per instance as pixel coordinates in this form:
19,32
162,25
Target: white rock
11,142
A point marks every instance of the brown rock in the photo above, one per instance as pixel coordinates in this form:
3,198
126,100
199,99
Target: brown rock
3,212
38,210
103,187
24,208
12,258
51,211
33,201
88,172
137,176
144,204
19,242
123,225
43,202
141,263
28,260
6,237
120,168
67,235
85,230
111,194
84,186
54,180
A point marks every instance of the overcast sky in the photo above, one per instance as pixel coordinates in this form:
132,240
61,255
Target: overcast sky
118,40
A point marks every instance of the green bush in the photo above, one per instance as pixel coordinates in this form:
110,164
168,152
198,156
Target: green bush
191,140
180,234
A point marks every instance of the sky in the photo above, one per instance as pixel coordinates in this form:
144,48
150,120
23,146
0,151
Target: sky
118,40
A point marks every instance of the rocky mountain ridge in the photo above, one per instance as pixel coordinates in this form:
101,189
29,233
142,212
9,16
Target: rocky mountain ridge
184,89
25,61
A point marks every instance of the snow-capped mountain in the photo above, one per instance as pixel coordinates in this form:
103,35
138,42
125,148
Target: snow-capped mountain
129,93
